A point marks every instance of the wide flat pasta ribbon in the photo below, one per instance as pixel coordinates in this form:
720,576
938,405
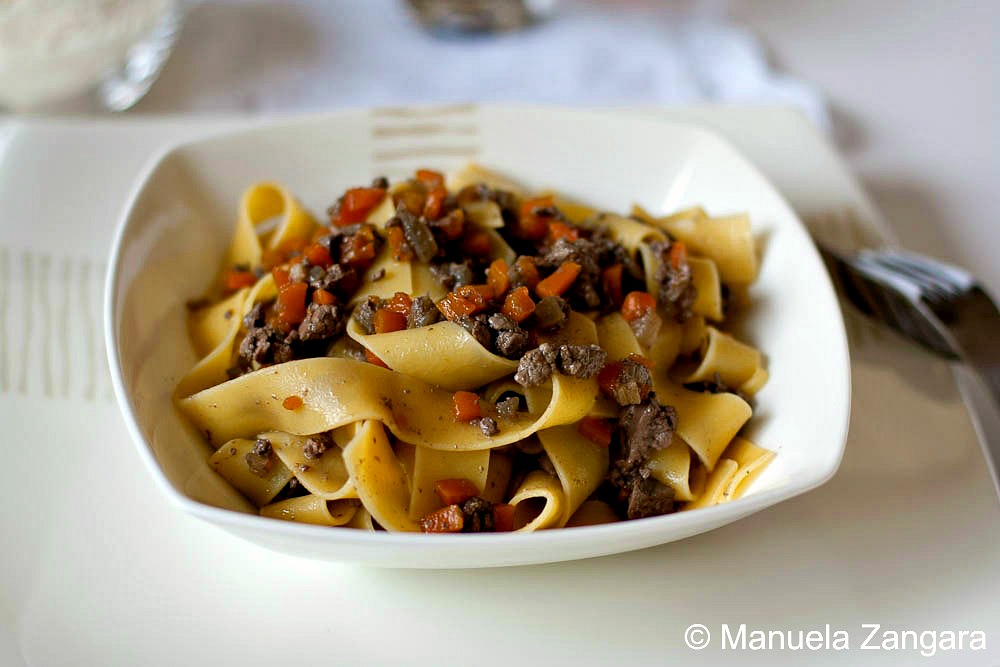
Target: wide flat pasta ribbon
261,202
580,466
325,477
336,392
445,354
313,509
211,370
379,477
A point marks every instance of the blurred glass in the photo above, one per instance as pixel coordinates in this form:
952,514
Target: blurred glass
83,54
479,16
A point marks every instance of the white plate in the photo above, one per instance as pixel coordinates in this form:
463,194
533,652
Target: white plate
181,216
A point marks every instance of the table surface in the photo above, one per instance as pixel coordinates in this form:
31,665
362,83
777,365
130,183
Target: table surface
913,86
105,572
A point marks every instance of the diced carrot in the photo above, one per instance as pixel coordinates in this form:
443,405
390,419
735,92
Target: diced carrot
434,202
559,281
639,359
292,303
678,254
235,280
496,276
292,403
608,377
478,295
413,199
430,178
560,230
356,204
281,276
477,243
400,303
373,359
445,520
611,282
387,321
318,255
531,225
637,304
598,431
400,249
455,491
271,258
503,517
518,304
453,306
466,405
323,298
453,224
525,267
287,249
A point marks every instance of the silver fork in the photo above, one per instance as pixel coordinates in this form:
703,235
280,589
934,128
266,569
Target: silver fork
941,307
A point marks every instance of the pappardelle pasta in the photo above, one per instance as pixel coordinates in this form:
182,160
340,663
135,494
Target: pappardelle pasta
466,356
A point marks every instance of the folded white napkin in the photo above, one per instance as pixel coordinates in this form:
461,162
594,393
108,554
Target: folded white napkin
297,54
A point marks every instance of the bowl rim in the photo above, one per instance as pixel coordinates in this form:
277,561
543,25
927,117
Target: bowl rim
243,522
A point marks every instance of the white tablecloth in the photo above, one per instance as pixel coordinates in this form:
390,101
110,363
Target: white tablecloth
302,55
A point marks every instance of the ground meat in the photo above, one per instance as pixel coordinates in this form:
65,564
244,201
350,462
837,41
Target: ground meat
316,445
632,384
581,361
259,458
551,313
255,317
582,251
584,292
322,322
677,292
510,339
488,426
263,344
364,314
646,428
512,344
255,347
500,322
423,312
646,327
534,368
453,274
478,514
508,407
649,497
327,279
331,241
479,329
380,182
417,233
284,349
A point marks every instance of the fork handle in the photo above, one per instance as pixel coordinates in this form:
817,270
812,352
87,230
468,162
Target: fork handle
983,402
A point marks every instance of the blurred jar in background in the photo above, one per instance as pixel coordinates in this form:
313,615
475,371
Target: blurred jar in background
109,51
479,16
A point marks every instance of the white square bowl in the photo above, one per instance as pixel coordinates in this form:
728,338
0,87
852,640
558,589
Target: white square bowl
181,216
